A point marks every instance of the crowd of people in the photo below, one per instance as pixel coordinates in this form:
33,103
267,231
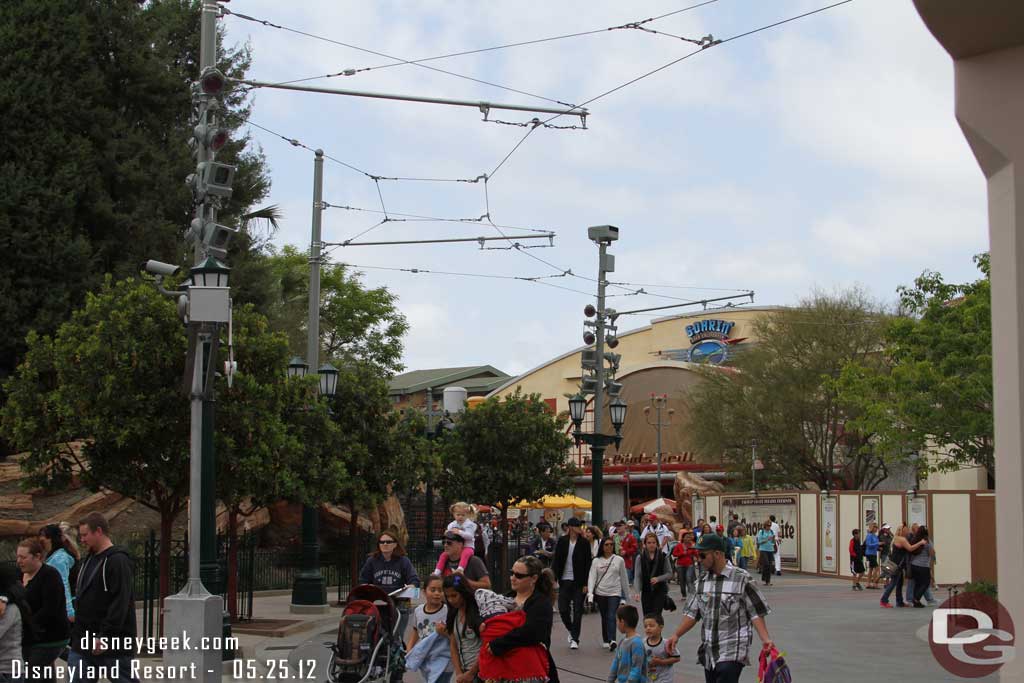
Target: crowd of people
68,604
623,572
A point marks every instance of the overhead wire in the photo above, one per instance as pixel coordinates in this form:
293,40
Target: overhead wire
706,43
463,53
314,36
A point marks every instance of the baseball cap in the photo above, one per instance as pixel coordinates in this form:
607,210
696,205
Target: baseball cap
454,536
712,542
886,526
653,517
574,521
631,523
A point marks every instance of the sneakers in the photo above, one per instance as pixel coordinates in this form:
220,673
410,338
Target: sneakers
778,573
604,645
612,645
458,570
570,639
573,645
885,605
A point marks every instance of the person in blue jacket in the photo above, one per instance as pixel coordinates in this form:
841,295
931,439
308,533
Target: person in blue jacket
871,555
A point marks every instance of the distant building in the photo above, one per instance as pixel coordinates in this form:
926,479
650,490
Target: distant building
409,390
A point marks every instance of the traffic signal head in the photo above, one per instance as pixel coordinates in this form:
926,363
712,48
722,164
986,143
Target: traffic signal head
212,178
210,136
214,237
212,81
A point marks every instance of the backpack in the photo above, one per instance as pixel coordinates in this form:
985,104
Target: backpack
772,667
358,634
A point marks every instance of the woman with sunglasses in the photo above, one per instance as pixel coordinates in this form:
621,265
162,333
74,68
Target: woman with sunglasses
389,568
533,589
608,585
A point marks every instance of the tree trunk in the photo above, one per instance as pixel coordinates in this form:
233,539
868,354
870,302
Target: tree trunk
353,537
232,584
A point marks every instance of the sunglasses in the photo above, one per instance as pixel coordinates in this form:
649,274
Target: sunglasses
386,542
703,555
448,542
522,576
611,543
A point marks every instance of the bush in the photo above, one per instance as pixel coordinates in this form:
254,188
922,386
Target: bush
984,587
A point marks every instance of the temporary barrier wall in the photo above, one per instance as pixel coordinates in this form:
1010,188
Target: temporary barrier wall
819,529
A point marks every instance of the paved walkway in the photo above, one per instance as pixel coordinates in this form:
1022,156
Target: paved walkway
828,632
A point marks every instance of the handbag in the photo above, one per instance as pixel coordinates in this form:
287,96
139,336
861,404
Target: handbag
889,568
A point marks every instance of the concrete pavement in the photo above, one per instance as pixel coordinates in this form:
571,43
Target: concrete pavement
827,631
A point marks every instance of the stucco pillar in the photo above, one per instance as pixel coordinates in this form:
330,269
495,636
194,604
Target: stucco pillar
986,41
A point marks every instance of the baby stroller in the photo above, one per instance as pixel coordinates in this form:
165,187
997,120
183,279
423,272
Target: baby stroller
369,648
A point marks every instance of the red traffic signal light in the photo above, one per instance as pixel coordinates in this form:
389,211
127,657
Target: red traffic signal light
212,81
589,310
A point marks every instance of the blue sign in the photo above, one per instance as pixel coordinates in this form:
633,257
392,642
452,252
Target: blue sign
709,329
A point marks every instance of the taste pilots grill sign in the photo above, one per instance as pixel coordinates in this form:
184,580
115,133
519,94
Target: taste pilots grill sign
710,341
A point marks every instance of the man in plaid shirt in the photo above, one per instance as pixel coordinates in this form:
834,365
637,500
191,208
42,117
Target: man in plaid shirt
731,608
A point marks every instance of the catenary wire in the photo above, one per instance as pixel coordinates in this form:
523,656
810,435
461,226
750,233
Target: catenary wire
401,62
672,63
398,59
415,217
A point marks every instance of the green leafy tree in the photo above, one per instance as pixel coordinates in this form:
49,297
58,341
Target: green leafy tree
383,452
783,394
96,104
110,377
505,451
359,326
933,394
274,439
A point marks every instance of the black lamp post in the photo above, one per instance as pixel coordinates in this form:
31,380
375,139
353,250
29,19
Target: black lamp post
597,442
309,588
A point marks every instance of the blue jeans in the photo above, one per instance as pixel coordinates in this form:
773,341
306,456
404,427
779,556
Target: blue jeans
744,561
910,591
91,668
895,585
608,606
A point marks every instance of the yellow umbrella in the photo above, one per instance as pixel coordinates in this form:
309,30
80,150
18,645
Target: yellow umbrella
557,503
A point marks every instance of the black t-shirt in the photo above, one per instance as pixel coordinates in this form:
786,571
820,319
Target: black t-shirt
475,568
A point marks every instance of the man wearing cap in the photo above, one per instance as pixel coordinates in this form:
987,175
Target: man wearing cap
572,569
729,607
658,528
475,576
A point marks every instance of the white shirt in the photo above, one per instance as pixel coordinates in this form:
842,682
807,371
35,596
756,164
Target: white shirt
567,572
467,529
775,530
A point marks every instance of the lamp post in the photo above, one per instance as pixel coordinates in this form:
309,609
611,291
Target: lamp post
597,441
658,403
309,591
596,379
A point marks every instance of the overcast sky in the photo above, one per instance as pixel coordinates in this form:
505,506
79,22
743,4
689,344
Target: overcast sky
819,154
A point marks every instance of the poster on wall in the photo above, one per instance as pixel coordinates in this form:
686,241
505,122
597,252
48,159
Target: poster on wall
698,509
758,509
870,512
918,511
829,542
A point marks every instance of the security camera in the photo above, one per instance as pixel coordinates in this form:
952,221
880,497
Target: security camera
160,268
603,233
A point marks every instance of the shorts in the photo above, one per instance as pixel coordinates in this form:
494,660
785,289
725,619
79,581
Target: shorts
857,565
873,561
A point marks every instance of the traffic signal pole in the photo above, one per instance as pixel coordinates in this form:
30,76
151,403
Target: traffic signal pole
598,446
195,612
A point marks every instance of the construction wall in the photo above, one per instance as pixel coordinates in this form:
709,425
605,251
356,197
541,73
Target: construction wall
962,526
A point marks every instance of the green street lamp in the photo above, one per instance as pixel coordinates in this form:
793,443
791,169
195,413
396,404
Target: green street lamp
297,367
210,273
328,379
